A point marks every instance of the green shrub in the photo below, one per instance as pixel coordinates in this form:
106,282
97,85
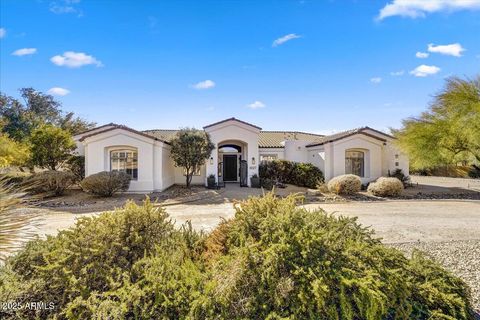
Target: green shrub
345,184
106,183
398,173
276,260
273,260
50,182
296,173
130,262
474,172
267,183
386,187
76,164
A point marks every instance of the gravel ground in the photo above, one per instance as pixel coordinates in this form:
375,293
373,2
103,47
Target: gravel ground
461,257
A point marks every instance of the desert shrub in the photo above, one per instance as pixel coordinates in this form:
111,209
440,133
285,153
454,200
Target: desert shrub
106,183
14,177
130,263
50,182
275,260
345,184
76,164
297,173
386,187
398,173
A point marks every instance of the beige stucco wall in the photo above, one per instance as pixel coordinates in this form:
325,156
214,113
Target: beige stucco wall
234,131
154,172
180,178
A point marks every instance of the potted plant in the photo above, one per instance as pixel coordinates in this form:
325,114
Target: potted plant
255,181
211,181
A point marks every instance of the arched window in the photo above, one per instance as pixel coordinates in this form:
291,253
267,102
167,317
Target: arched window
355,163
125,161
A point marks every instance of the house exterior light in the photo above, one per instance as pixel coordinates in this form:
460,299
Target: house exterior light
253,160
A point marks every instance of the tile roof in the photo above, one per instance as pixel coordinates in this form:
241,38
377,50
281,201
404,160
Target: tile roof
267,139
118,126
230,119
348,133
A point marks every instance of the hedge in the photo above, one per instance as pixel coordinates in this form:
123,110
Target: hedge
296,173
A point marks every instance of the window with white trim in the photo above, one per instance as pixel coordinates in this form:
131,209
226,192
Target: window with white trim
125,161
355,163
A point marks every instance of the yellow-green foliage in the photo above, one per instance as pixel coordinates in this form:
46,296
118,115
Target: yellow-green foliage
273,260
12,153
386,187
345,184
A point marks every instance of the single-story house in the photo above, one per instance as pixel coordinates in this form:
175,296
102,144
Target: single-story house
239,149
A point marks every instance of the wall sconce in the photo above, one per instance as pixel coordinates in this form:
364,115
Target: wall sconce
211,160
253,160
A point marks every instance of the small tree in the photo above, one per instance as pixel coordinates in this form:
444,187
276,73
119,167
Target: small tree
190,149
50,147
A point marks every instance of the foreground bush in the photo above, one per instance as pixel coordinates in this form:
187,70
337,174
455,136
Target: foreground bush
15,177
106,183
50,182
345,184
274,260
386,187
296,173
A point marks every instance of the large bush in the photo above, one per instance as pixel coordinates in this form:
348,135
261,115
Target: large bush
76,164
273,260
50,182
128,263
296,173
345,184
386,187
106,183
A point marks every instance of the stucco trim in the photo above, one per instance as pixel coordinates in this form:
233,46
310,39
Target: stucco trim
122,127
350,135
231,119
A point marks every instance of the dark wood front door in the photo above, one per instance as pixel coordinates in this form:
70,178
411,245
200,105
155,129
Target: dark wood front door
229,168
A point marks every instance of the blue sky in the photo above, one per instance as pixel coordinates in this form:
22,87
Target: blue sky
317,66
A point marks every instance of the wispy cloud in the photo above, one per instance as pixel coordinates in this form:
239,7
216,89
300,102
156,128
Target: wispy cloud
397,73
454,49
3,32
203,85
57,91
420,8
152,22
422,55
376,80
66,6
73,59
424,70
256,105
284,39
24,52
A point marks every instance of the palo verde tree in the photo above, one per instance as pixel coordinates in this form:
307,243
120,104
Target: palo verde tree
190,149
449,132
50,147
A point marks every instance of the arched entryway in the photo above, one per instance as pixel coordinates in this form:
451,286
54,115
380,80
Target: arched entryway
232,167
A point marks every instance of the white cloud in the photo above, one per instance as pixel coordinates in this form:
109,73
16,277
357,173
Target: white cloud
397,73
454,49
3,32
256,105
424,70
422,55
376,80
72,59
419,8
202,85
65,6
24,52
284,39
57,91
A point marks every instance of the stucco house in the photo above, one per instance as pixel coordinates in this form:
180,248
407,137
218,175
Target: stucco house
239,148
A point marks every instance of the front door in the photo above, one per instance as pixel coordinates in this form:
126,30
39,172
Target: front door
229,168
